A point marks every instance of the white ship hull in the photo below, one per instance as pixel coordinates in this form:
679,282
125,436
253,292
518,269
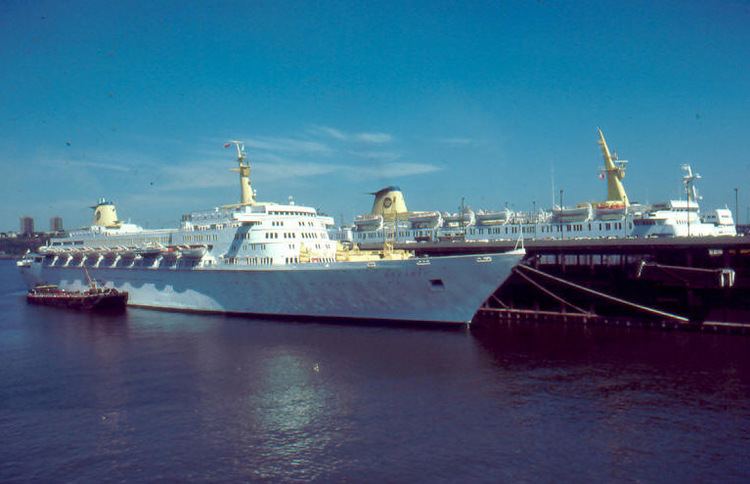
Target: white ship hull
437,290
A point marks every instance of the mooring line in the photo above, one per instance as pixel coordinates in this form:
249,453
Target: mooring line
499,301
552,294
607,296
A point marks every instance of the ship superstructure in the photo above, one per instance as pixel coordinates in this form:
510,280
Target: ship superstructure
615,217
265,258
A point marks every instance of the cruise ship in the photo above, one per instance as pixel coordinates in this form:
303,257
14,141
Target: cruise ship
615,217
265,259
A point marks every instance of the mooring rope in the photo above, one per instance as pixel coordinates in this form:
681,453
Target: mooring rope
551,294
604,296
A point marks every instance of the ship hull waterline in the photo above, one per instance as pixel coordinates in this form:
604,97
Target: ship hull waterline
435,290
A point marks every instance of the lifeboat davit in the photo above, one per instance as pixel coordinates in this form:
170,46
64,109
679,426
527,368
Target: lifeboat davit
581,213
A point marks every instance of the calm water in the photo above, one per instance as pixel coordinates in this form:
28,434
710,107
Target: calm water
164,396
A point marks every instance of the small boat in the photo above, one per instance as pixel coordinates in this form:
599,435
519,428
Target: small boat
94,297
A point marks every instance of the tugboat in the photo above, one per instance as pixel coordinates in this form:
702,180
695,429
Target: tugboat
93,298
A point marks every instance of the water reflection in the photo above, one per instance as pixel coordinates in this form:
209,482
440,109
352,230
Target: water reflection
622,396
167,396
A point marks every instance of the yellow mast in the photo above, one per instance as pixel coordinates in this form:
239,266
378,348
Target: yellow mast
247,197
615,170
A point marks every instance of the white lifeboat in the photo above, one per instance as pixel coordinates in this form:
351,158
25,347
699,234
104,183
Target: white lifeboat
581,213
366,223
495,217
151,250
193,251
462,219
170,252
425,220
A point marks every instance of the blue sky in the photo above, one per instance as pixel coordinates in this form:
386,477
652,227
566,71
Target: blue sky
336,99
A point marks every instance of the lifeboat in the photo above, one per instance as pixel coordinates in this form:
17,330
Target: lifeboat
465,218
171,252
92,255
64,257
581,213
497,217
193,251
366,223
149,250
425,220
76,256
610,210
128,252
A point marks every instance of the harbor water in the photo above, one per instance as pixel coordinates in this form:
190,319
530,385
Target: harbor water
149,395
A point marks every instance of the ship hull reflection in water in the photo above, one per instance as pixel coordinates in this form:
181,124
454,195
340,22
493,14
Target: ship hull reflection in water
152,395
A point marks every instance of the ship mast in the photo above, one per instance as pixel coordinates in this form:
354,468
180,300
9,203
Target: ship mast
689,181
615,170
247,196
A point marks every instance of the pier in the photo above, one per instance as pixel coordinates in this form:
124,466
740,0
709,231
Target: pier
695,283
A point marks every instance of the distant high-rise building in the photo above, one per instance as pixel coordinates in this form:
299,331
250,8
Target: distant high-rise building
27,225
55,224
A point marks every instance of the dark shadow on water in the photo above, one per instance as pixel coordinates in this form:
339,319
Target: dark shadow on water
713,369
